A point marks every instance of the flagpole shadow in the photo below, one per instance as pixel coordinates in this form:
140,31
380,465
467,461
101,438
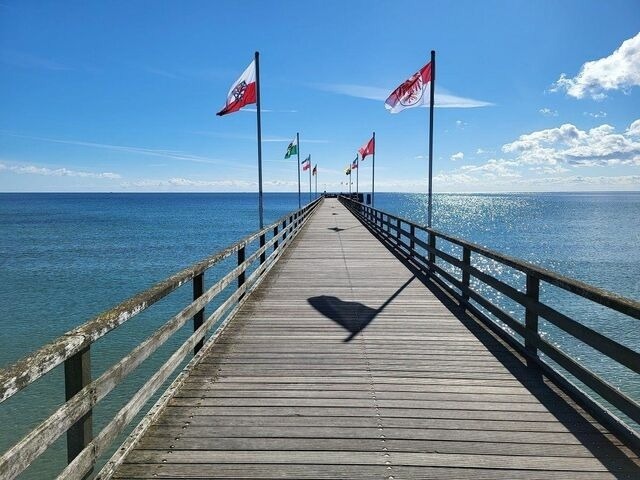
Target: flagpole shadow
352,316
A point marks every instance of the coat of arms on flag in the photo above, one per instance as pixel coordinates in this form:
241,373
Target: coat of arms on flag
292,149
243,92
412,91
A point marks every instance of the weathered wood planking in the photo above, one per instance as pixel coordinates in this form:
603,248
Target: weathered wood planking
341,365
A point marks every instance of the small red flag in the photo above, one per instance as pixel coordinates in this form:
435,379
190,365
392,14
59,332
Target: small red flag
412,93
368,148
243,91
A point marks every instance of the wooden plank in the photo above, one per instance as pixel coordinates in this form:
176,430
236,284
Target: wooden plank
322,471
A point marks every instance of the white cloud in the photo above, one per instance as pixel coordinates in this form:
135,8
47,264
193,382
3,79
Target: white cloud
568,145
179,182
456,156
27,60
443,99
171,154
544,169
547,112
55,172
540,161
618,71
599,114
494,168
267,110
634,129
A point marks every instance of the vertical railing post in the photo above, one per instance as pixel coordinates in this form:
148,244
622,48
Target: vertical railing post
531,316
198,318
412,238
432,254
466,274
241,258
398,230
263,255
284,230
275,235
77,375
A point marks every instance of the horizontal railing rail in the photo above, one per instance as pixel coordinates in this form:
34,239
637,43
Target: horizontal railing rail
404,236
73,349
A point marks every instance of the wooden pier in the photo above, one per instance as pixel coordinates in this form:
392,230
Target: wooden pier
347,360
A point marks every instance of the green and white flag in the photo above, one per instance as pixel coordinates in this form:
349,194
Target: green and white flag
292,149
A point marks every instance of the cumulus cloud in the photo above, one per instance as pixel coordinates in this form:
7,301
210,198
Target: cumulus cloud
55,172
542,160
618,71
457,156
547,112
568,145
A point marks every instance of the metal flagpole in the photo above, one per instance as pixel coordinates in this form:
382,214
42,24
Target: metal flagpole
357,174
298,148
316,182
349,182
260,206
309,178
373,171
433,83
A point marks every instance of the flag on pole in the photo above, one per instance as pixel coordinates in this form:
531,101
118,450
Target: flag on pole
354,164
368,148
243,91
414,92
306,163
314,172
292,149
347,171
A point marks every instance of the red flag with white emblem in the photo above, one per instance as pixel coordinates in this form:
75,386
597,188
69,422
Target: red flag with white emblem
412,93
243,92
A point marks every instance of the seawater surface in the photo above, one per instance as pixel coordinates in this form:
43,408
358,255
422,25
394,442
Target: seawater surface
66,257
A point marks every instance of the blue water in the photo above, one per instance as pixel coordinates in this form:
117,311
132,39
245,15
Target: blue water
66,257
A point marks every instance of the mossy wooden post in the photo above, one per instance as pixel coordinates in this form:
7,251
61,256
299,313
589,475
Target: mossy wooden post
77,375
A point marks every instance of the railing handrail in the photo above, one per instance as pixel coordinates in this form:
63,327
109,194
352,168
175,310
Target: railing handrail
599,295
461,289
83,393
29,368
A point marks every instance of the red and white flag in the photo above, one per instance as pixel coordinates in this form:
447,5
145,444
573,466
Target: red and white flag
414,92
368,148
243,91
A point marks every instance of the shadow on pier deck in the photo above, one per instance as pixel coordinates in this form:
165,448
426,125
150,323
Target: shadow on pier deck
345,363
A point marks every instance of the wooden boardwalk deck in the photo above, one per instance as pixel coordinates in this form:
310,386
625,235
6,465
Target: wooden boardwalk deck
344,365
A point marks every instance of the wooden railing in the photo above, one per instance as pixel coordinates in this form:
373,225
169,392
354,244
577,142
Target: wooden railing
74,350
418,245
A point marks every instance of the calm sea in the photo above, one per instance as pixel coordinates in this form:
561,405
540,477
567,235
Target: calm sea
66,257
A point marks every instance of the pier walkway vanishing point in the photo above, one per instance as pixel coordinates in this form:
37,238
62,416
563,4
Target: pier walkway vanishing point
347,363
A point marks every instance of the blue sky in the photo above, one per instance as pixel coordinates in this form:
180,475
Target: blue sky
121,95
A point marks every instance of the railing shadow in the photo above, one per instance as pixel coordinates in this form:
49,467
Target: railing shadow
352,316
572,417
